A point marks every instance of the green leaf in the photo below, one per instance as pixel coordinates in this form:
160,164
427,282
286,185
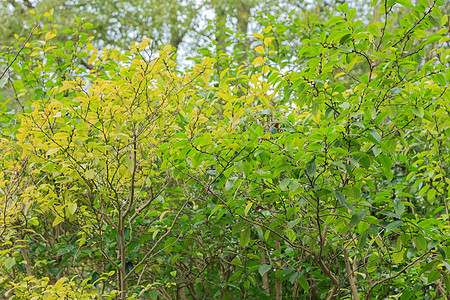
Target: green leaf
87,26
291,235
304,283
353,192
215,209
418,111
421,242
364,162
284,183
245,237
439,79
230,183
293,185
293,223
343,7
263,269
436,22
9,262
18,85
345,38
311,168
385,161
236,262
375,135
442,252
374,29
432,244
398,256
169,243
393,225
358,217
341,199
351,14
399,207
237,227
259,232
362,240
405,3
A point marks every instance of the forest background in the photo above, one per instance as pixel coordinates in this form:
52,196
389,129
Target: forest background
224,149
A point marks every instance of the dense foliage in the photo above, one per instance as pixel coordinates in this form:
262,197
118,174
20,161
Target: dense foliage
315,166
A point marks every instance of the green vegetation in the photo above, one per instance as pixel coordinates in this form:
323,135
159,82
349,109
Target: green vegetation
309,160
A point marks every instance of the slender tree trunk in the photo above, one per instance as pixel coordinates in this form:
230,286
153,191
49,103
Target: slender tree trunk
221,19
351,276
24,252
278,284
122,252
243,15
265,279
181,287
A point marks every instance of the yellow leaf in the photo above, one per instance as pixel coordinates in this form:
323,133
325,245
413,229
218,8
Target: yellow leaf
167,48
268,40
205,77
206,61
93,57
233,146
260,49
142,45
339,75
248,207
258,62
91,47
32,12
265,101
52,11
268,29
57,220
49,36
258,36
223,73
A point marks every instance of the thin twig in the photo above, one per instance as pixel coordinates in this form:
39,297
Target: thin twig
23,46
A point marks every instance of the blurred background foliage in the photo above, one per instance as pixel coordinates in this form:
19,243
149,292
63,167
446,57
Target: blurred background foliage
194,27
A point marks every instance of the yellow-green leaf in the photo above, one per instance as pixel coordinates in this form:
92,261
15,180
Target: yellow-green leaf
57,220
72,207
52,151
248,207
89,174
260,49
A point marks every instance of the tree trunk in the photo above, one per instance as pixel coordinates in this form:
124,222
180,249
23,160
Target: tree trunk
265,279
